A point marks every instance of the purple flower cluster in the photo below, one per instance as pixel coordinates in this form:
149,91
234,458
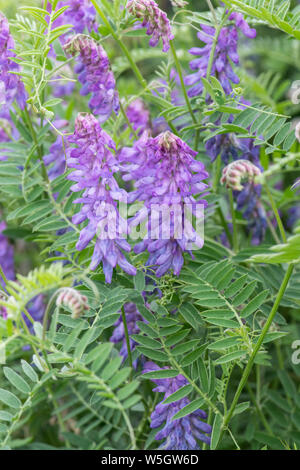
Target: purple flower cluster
132,317
139,116
154,19
80,13
167,177
182,433
11,86
228,145
95,75
95,165
226,51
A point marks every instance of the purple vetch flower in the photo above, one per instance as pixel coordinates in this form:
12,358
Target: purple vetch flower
139,116
6,256
228,145
154,19
132,317
80,13
11,85
95,165
96,76
225,53
167,178
182,433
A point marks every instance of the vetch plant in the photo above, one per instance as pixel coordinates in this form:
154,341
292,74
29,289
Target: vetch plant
149,225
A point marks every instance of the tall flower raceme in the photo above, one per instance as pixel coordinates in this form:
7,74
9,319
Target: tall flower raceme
241,177
132,317
168,180
183,433
154,19
95,166
11,85
96,76
225,53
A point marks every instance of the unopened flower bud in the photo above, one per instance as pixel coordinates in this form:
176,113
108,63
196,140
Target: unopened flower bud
238,172
74,300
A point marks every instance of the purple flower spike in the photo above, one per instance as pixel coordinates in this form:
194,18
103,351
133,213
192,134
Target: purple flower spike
95,75
154,19
182,433
11,85
226,52
167,179
95,165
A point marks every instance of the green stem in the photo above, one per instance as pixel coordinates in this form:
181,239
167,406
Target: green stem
127,336
259,411
276,213
121,44
217,174
256,349
3,275
178,67
234,224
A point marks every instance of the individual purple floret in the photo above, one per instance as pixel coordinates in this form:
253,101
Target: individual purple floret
139,116
182,433
154,19
11,85
132,317
96,76
225,53
6,255
167,178
95,165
